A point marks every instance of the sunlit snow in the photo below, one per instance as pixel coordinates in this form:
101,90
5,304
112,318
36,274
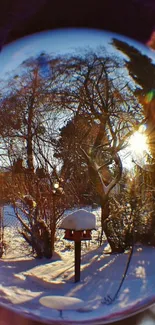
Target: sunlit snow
26,281
79,220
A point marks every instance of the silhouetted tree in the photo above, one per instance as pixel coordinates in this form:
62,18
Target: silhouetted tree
142,70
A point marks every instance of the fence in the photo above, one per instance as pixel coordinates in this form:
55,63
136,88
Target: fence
14,244
10,219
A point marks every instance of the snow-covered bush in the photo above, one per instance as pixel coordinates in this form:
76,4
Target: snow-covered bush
38,208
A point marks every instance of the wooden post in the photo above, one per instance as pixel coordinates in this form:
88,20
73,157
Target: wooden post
77,260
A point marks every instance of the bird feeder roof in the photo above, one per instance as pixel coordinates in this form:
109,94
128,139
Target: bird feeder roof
79,220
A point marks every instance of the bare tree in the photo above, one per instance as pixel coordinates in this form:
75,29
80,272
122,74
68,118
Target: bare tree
27,130
95,94
99,94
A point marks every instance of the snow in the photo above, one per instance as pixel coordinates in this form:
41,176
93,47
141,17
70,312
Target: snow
59,303
79,220
27,283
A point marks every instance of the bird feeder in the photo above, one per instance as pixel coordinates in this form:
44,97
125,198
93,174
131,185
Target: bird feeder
77,235
78,226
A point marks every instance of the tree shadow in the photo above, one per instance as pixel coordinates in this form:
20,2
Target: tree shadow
100,276
12,271
104,273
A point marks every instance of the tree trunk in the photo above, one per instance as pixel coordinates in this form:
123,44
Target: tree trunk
105,210
30,162
115,247
113,243
30,154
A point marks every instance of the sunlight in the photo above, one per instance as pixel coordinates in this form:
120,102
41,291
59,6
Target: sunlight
138,143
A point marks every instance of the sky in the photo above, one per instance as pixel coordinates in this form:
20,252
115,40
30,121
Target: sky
59,41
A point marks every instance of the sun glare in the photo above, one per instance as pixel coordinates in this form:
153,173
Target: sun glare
138,143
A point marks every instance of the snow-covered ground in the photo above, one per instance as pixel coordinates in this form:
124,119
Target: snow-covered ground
25,281
12,225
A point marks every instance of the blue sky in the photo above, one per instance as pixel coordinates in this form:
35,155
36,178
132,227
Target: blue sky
58,42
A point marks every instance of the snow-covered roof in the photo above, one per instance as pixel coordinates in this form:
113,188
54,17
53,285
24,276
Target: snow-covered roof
79,220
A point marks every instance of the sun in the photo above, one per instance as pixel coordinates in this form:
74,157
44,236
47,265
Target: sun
138,143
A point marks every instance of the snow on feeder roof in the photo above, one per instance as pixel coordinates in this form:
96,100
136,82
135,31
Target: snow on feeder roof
79,220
